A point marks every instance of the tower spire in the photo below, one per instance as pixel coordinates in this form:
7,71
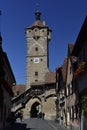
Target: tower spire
37,13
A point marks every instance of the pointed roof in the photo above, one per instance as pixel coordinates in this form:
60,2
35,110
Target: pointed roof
38,23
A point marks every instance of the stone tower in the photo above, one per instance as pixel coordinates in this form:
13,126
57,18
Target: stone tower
40,81
38,36
39,96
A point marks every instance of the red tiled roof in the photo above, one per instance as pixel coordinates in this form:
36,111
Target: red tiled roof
38,23
19,88
50,77
37,83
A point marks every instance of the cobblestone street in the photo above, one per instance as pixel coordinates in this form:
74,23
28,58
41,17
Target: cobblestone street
36,124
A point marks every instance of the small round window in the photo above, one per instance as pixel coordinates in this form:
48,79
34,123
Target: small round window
35,30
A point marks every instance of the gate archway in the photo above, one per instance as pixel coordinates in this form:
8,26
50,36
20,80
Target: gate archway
34,109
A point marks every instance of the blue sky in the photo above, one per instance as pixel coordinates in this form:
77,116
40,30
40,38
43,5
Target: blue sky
64,17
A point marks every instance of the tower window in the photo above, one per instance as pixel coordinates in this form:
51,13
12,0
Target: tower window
36,73
36,49
36,80
35,30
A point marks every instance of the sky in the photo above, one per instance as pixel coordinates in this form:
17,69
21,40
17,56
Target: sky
64,18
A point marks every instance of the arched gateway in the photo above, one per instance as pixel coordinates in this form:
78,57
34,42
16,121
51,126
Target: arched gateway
34,109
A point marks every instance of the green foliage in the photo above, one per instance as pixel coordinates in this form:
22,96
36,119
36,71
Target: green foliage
84,106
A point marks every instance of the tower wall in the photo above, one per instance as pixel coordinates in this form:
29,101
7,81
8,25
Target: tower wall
36,55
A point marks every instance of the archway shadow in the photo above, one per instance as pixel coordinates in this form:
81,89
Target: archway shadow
19,126
34,111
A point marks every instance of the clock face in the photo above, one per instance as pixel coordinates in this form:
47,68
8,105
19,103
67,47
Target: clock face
36,60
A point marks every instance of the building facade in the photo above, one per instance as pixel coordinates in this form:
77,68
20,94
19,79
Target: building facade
71,91
80,72
60,91
7,80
